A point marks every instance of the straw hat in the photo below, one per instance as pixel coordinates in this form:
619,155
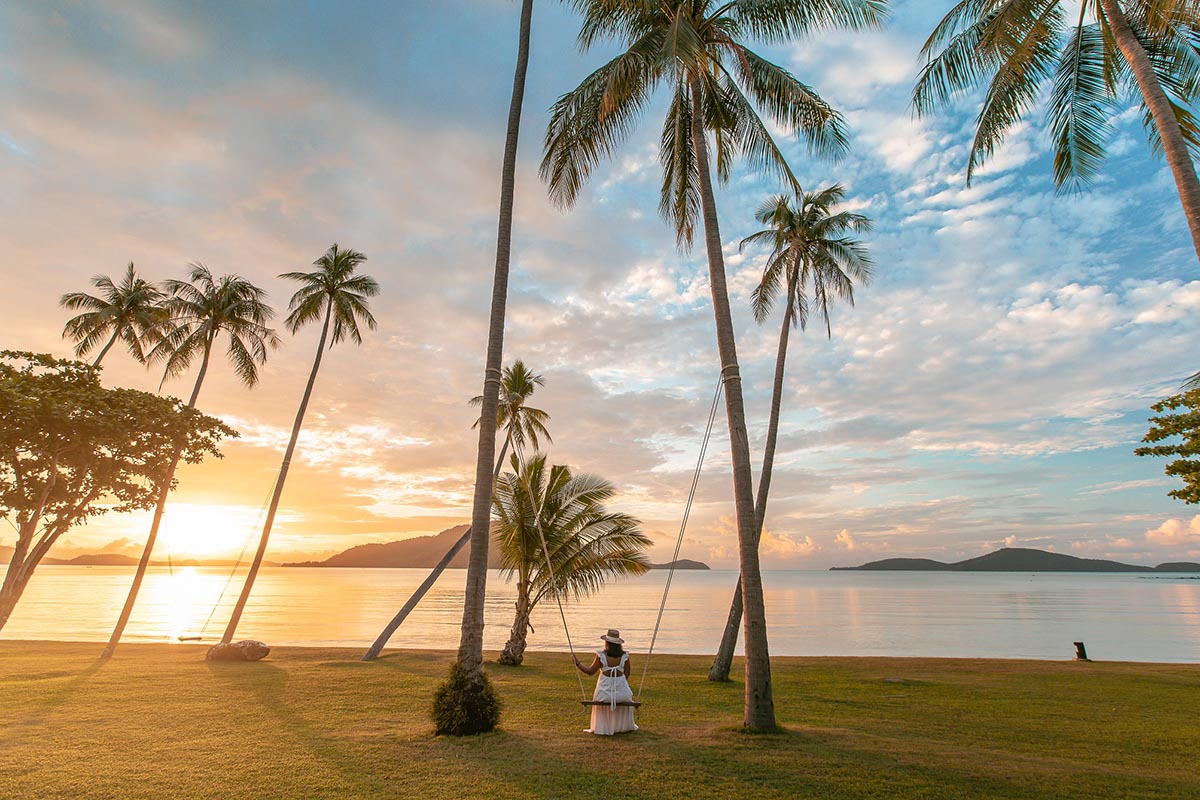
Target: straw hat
613,636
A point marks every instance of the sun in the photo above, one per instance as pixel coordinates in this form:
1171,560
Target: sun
208,531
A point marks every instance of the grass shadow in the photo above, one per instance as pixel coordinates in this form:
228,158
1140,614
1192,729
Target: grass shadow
48,703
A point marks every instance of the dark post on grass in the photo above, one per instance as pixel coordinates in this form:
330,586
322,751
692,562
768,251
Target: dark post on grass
1081,652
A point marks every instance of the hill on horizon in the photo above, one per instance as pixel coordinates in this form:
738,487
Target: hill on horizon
1021,559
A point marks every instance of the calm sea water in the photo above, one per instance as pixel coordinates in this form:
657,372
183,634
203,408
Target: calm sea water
1121,617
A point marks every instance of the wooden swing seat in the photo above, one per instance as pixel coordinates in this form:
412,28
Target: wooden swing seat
625,703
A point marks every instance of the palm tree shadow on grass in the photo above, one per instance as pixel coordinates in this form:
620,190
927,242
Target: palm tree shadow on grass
19,731
265,682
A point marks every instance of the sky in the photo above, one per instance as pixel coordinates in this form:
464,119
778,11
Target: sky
987,388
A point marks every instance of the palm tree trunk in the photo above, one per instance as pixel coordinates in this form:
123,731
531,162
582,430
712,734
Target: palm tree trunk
401,615
759,712
106,348
514,649
1174,146
470,647
159,507
723,661
279,481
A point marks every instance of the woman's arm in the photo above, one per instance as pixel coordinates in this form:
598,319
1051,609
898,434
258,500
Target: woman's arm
628,668
590,669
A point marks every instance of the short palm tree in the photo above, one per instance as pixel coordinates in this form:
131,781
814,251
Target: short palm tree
814,258
521,423
1089,58
333,292
201,309
545,511
695,49
131,311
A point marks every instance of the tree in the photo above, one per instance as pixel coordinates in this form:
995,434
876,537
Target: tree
72,450
472,685
1185,424
521,423
716,82
812,256
1113,46
583,541
131,311
334,292
201,309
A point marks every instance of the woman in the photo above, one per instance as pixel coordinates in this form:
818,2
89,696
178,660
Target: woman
611,688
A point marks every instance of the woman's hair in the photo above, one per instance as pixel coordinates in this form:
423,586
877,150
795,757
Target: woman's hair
612,649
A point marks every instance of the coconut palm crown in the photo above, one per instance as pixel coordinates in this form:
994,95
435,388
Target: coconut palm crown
334,288
131,311
522,424
811,246
202,307
695,48
1092,59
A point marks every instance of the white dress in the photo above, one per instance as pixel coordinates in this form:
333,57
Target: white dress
612,688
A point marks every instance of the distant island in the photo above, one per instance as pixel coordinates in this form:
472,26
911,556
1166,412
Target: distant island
425,552
1021,559
118,560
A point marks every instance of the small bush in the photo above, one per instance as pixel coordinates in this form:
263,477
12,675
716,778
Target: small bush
464,707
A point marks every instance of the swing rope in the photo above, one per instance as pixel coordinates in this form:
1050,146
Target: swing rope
538,506
687,509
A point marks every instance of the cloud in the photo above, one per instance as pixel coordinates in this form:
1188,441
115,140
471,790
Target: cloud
1175,533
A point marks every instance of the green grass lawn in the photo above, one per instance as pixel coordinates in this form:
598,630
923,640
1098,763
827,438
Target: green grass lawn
157,721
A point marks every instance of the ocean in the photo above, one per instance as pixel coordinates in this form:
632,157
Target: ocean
1120,617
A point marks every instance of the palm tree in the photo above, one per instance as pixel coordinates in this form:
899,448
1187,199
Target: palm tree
812,256
521,423
716,82
334,292
1018,47
201,309
469,662
131,311
548,515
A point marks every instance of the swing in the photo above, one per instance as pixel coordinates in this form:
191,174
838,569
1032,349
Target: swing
229,579
637,701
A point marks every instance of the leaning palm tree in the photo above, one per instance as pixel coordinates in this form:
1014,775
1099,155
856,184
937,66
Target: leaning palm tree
466,678
813,260
521,423
1110,49
716,83
332,291
549,513
131,311
202,308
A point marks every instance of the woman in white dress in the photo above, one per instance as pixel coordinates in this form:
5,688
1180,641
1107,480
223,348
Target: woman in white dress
612,687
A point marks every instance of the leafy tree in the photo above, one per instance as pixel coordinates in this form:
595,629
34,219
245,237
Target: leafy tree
813,259
334,292
585,543
521,423
72,450
131,311
471,683
203,308
1185,423
1089,61
695,49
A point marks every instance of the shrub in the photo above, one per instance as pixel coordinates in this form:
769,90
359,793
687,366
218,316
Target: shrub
464,707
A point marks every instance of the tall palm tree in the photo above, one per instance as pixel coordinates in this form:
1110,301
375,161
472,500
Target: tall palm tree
544,511
813,260
334,292
1111,47
201,309
469,662
131,311
694,48
521,423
